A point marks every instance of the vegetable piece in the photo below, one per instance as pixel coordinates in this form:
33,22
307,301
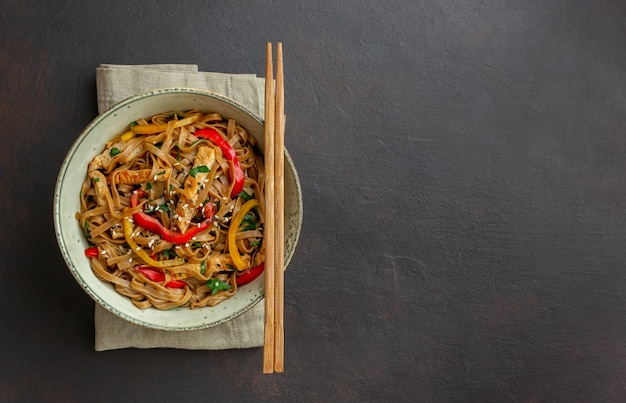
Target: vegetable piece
127,136
91,252
128,235
217,285
251,274
201,168
232,234
229,152
157,277
152,224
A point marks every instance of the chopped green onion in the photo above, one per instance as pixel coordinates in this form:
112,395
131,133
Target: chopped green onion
114,151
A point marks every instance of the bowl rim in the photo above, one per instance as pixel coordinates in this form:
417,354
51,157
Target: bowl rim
64,169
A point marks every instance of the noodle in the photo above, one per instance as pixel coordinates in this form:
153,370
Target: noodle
157,205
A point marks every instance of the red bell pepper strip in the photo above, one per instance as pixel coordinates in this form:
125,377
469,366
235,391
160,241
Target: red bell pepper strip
157,277
91,252
251,274
152,224
229,152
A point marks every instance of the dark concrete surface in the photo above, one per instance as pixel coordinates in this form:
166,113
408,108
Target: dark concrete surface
463,166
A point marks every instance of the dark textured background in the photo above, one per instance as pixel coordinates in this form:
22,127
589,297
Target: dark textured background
462,165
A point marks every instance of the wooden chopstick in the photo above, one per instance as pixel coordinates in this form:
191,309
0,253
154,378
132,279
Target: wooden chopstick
279,220
268,336
274,335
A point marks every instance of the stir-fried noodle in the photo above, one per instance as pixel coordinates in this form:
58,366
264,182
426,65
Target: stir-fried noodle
174,210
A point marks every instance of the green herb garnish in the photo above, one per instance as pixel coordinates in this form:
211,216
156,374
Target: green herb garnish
249,222
201,168
114,151
217,285
244,195
168,254
202,268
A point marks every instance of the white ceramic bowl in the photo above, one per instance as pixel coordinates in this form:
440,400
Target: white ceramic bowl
72,241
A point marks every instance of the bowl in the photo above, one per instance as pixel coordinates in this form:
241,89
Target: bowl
72,241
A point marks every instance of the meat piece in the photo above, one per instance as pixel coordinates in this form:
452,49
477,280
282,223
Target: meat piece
137,176
102,161
187,206
100,186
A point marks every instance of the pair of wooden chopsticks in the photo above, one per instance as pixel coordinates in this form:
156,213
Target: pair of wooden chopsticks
274,337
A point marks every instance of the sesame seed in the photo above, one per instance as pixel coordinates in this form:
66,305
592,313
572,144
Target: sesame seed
187,245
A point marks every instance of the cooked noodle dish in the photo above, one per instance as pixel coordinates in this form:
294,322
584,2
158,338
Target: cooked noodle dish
173,210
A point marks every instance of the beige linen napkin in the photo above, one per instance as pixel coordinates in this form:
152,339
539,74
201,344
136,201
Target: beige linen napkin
118,82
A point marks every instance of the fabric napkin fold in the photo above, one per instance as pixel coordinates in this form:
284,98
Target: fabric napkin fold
116,83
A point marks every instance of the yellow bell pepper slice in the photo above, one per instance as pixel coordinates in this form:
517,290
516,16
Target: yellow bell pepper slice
128,234
232,234
127,136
